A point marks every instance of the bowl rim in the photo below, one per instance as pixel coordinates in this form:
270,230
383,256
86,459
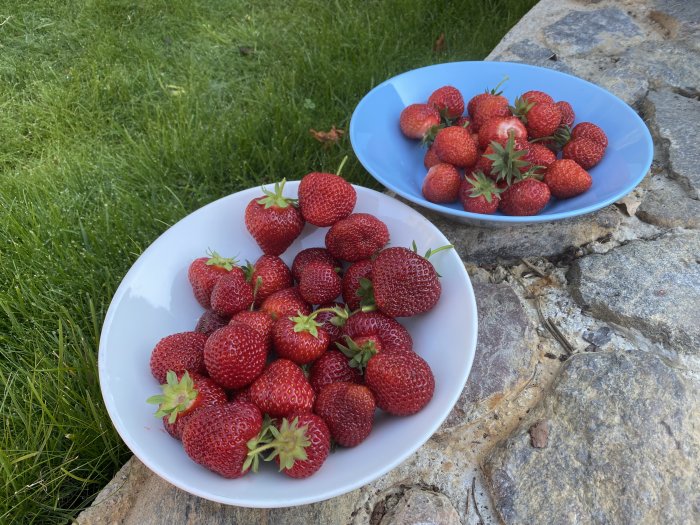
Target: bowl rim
142,454
506,219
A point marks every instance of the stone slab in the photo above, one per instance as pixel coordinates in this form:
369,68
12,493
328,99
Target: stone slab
666,204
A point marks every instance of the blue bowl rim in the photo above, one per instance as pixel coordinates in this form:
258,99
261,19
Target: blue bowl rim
508,218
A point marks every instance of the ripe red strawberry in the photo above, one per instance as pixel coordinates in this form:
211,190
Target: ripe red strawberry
405,283
448,101
492,107
204,273
273,220
259,320
390,333
537,97
319,283
235,355
299,338
487,94
232,293
584,152
210,322
539,155
504,162
430,159
332,367
441,184
418,121
217,437
479,194
300,445
524,197
325,198
498,130
285,303
402,382
566,178
354,288
178,352
312,254
356,237
348,410
455,145
183,394
590,131
542,120
269,275
282,389
567,113
462,122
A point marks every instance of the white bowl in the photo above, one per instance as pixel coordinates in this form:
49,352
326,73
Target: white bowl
155,300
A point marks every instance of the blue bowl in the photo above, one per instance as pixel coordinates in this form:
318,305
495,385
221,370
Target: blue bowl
397,162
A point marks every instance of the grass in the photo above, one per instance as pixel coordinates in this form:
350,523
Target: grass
117,118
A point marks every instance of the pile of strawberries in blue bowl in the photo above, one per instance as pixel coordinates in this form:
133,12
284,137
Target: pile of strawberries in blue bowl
498,156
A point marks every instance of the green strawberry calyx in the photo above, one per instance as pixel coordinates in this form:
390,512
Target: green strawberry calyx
495,91
359,354
558,139
176,398
288,442
431,252
482,186
258,444
275,197
521,108
366,294
227,263
507,161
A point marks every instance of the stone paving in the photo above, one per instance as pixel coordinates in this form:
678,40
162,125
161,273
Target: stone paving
592,413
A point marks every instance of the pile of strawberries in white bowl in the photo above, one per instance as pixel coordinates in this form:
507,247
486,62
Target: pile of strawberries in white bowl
498,156
277,367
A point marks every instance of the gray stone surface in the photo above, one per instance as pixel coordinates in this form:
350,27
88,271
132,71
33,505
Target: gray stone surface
583,31
420,507
653,286
662,64
674,119
678,17
533,53
623,441
504,351
668,205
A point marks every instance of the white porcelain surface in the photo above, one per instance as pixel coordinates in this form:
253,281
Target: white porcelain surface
155,300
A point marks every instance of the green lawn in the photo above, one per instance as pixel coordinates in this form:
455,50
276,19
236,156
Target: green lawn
117,118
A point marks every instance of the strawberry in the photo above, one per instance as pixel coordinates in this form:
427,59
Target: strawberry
204,273
183,394
419,121
332,367
567,113
356,237
541,119
325,198
524,197
499,129
389,332
217,437
319,283
348,410
332,318
487,94
537,97
260,321
479,194
232,293
299,339
285,303
300,445
455,145
273,220
492,107
282,389
402,382
235,355
538,155
441,184
210,322
448,101
312,254
430,158
504,162
565,178
405,283
590,131
178,352
462,122
584,152
269,275
357,283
